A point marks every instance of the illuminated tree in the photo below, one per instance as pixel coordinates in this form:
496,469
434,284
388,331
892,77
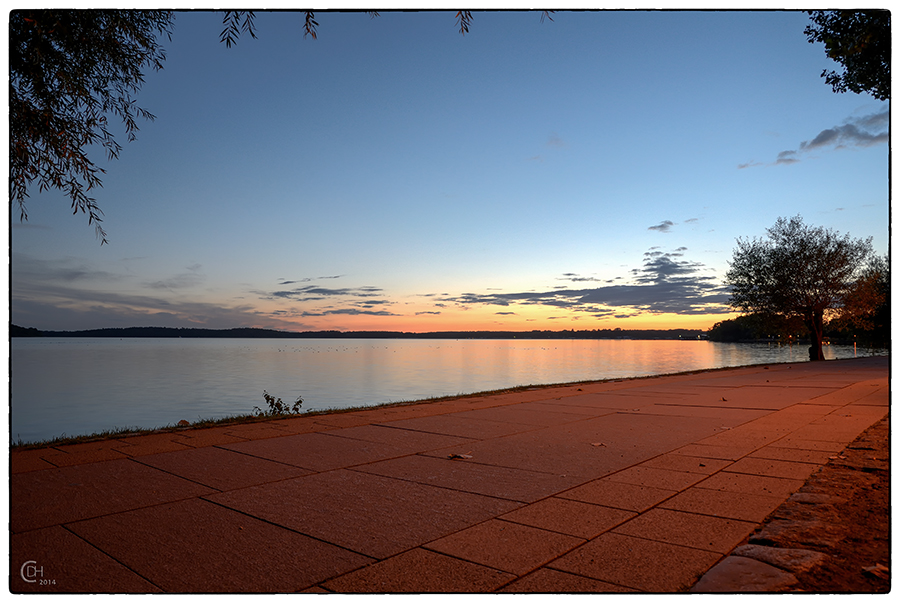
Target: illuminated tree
805,272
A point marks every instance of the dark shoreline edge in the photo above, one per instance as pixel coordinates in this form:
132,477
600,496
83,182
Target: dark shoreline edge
256,333
121,433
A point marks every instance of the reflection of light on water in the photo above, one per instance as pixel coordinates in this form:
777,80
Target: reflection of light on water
102,384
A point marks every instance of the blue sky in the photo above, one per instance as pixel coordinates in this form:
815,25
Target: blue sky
588,172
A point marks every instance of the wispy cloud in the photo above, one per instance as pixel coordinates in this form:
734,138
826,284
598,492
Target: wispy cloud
185,280
663,226
855,132
314,293
308,279
346,311
577,278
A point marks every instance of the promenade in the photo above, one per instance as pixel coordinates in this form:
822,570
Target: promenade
639,485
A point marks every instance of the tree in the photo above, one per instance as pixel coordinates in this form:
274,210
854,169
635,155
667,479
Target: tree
754,326
800,271
69,71
869,319
861,42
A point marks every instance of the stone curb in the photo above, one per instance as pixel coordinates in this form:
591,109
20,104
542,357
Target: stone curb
808,516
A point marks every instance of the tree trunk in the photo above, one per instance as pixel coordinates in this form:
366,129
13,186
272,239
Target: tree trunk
814,320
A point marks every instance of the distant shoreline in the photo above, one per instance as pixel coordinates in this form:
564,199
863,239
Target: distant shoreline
252,333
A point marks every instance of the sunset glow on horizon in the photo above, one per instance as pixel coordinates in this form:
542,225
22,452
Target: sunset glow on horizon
589,172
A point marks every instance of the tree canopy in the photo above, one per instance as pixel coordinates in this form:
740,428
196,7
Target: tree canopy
69,71
861,42
805,272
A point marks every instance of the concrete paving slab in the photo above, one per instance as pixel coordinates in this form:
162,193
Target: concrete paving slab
420,571
619,400
744,437
506,546
458,474
54,560
256,431
150,444
552,581
210,436
773,468
454,425
343,419
55,496
878,398
635,563
706,532
794,441
664,479
370,514
195,546
848,394
692,464
559,406
522,413
764,397
221,469
797,455
723,503
406,439
733,416
751,484
728,453
593,447
24,461
575,518
80,454
317,451
629,497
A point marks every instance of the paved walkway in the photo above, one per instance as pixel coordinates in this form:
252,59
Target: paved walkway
637,485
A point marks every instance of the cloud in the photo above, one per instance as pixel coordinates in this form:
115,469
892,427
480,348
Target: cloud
314,293
555,141
185,280
576,278
308,279
665,283
855,132
348,311
67,270
663,226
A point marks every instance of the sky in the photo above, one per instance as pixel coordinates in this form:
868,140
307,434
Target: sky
592,171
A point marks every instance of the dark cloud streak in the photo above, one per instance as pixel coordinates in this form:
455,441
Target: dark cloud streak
859,132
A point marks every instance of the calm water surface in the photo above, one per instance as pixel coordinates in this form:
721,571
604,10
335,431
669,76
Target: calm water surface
75,386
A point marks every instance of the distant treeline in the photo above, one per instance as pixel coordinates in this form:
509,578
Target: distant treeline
17,331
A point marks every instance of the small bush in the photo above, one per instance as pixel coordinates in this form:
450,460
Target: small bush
277,408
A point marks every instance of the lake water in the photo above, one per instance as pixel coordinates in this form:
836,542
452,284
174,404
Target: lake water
76,386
